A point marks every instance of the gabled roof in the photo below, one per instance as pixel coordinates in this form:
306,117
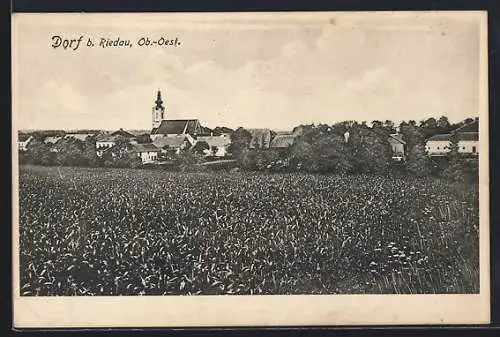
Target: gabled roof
464,136
441,137
471,136
123,133
177,141
145,148
282,141
110,138
260,138
471,127
177,127
79,136
52,139
397,137
218,141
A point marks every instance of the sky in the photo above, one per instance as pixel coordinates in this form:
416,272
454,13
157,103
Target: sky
252,70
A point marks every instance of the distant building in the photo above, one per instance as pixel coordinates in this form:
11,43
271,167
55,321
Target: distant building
467,136
107,141
171,127
261,138
282,141
80,136
23,141
176,143
52,140
398,146
147,152
219,145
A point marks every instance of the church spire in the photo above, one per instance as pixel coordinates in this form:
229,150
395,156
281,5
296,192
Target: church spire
158,111
159,102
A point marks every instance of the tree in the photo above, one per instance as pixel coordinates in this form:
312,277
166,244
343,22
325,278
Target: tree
200,147
389,126
143,139
188,161
121,155
240,141
455,168
443,124
416,160
370,152
214,149
38,153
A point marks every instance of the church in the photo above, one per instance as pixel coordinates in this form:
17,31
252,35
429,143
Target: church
162,127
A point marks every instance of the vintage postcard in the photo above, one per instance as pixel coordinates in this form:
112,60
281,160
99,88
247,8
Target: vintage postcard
250,169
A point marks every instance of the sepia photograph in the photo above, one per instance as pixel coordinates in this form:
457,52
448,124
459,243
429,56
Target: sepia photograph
250,168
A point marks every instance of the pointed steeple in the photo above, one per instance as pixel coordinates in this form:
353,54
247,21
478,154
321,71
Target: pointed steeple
159,102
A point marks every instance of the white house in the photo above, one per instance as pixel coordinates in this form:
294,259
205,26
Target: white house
23,141
219,145
147,152
468,141
439,145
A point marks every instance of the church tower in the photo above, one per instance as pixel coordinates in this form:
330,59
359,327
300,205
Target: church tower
158,111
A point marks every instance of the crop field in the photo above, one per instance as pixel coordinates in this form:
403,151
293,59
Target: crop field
88,231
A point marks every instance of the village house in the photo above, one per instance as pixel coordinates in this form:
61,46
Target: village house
174,143
219,145
282,141
107,141
147,152
23,141
261,138
467,137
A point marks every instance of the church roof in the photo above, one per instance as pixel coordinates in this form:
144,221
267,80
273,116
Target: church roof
177,127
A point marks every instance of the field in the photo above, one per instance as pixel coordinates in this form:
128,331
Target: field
139,232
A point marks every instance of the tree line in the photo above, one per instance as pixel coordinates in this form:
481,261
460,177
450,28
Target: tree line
316,149
365,149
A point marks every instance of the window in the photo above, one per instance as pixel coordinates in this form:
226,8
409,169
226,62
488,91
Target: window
463,147
473,149
438,147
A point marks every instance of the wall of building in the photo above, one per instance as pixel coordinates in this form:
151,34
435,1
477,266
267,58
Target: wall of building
468,146
148,157
437,146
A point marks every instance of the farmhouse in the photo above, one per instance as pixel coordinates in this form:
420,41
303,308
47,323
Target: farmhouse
147,152
106,141
23,141
219,145
261,138
467,136
282,141
176,143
